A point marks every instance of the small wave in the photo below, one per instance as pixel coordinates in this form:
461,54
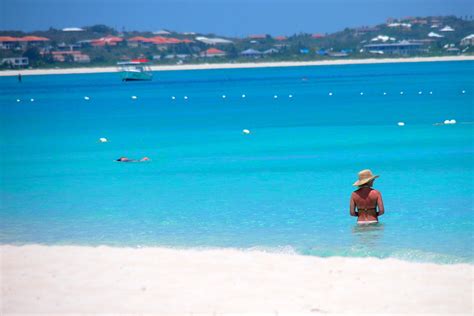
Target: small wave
426,256
286,250
358,251
412,255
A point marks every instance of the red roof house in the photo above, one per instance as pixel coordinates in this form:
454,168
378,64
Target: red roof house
138,39
29,38
33,39
213,52
9,42
76,56
108,40
158,40
9,39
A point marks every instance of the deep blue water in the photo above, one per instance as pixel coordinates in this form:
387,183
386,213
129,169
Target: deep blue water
286,186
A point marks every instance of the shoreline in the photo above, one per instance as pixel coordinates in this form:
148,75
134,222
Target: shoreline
166,281
88,70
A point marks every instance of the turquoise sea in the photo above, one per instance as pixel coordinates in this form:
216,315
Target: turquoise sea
283,187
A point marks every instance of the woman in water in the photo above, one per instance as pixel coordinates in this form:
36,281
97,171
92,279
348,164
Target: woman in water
368,201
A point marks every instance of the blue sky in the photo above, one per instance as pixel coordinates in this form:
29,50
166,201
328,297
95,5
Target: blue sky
225,17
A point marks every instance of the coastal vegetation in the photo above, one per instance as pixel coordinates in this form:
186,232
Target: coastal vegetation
101,45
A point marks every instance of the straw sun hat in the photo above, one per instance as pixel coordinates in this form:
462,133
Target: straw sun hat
365,176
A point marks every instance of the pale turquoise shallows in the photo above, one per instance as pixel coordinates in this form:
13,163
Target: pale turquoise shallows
283,187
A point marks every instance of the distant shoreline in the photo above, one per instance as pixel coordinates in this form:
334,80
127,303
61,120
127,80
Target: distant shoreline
86,70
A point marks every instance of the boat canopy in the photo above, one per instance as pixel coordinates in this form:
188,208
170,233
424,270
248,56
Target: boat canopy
139,61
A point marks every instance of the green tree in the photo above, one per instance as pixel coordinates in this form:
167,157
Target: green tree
68,59
33,55
233,52
102,29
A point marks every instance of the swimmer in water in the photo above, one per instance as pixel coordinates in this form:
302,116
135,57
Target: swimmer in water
125,159
368,201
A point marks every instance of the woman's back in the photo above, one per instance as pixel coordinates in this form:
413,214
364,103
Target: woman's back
365,197
366,200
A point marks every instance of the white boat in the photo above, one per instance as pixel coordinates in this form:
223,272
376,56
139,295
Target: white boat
135,70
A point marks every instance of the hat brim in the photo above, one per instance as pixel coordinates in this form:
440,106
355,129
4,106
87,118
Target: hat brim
364,181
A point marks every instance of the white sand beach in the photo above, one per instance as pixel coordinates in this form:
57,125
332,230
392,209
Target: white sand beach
238,65
103,280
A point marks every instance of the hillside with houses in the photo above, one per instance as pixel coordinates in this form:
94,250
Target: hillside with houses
101,45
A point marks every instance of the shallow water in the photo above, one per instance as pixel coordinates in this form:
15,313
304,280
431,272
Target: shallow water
284,187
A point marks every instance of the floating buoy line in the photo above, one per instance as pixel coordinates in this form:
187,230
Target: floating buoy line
276,96
290,96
